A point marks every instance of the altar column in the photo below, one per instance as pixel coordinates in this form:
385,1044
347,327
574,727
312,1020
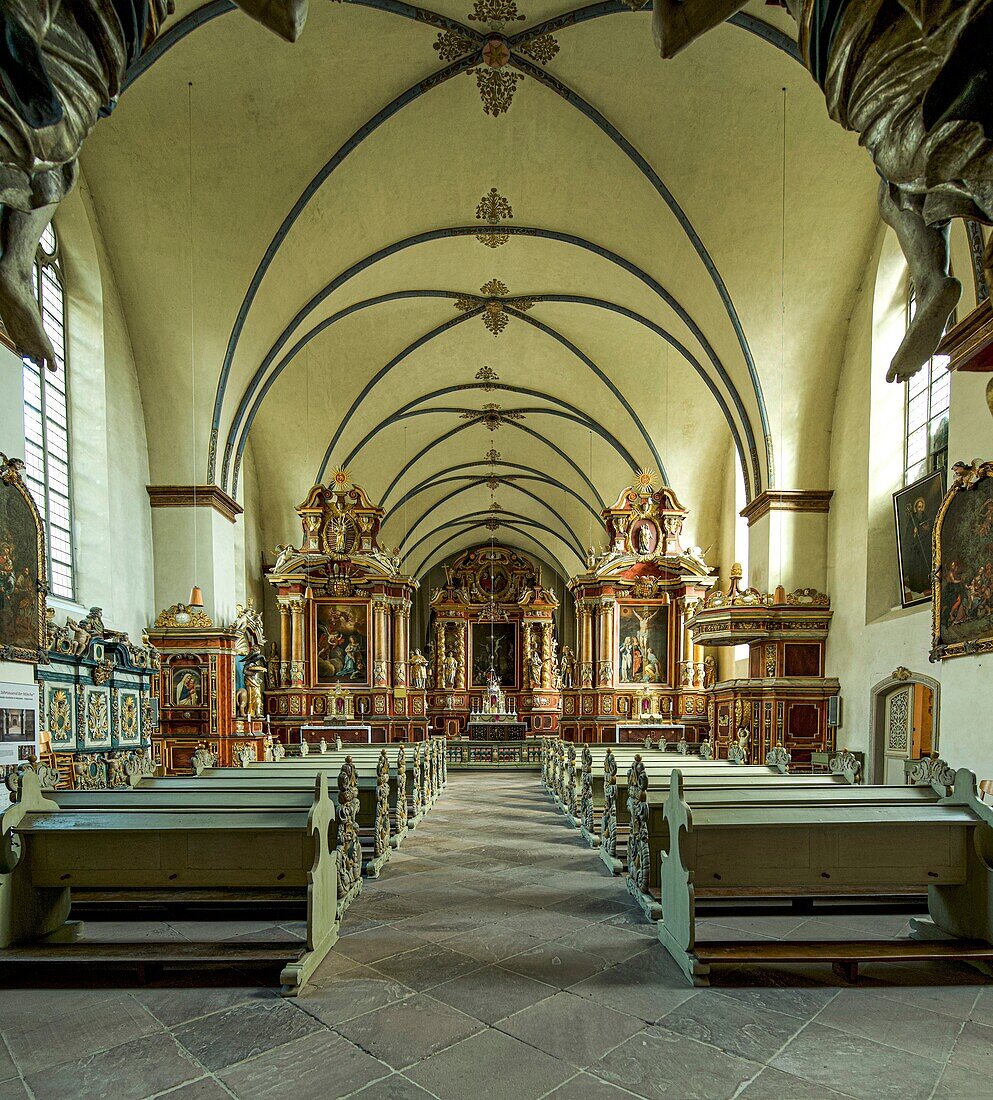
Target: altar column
460,653
585,678
439,654
605,667
401,622
285,643
546,656
380,651
297,605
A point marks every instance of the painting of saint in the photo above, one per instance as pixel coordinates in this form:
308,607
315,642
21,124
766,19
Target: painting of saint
643,644
915,509
341,642
494,645
187,687
964,615
20,607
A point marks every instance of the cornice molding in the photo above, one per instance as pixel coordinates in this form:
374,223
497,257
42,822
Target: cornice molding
787,500
199,496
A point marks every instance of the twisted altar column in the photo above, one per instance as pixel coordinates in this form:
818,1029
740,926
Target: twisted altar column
546,656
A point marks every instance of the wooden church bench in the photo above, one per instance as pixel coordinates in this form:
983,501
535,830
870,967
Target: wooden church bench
854,845
223,851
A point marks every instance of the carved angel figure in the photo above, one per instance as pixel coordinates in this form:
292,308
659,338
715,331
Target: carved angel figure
64,64
913,79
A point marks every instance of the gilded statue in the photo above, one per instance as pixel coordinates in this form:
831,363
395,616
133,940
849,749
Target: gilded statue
568,667
914,79
418,670
64,64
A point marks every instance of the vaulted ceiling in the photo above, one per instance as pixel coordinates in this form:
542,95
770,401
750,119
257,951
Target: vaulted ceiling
339,288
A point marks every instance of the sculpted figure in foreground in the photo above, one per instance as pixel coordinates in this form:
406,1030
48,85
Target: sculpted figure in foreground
63,64
914,78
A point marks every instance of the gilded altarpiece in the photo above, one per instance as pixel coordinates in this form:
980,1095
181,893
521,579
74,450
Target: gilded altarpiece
344,612
493,613
784,698
637,672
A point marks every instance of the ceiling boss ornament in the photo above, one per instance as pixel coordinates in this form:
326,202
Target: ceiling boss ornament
494,305
487,375
493,208
491,416
495,81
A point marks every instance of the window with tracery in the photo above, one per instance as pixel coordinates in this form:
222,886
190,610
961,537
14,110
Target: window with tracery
926,417
46,423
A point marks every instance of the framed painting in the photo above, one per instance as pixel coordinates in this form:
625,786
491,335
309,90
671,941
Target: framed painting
914,511
494,645
340,642
22,568
187,687
962,577
642,643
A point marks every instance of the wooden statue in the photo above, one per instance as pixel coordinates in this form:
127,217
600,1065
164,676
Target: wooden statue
914,79
64,64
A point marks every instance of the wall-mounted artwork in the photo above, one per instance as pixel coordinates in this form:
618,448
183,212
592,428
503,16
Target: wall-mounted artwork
642,640
341,642
494,645
187,687
915,509
962,615
22,568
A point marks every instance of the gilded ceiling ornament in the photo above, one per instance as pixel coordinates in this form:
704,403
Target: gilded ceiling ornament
491,416
494,287
492,523
494,308
493,208
496,89
542,48
492,483
495,13
453,44
487,375
493,455
494,507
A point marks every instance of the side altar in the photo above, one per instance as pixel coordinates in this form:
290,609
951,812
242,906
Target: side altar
344,612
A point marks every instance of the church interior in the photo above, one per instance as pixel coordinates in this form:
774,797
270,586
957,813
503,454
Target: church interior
496,549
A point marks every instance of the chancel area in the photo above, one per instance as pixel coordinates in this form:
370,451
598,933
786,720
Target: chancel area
496,550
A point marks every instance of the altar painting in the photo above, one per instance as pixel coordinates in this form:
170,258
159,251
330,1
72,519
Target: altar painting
915,509
341,642
963,608
21,602
494,645
642,644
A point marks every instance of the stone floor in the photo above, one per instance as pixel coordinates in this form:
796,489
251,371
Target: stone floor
494,959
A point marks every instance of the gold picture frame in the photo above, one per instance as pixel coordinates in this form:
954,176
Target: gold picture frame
23,567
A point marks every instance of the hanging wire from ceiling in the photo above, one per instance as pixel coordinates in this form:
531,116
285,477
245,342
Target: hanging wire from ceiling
196,595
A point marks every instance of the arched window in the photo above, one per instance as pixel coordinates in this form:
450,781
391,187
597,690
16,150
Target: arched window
46,423
926,425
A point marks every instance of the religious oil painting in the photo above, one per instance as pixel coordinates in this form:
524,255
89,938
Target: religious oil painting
21,605
642,641
915,510
187,687
341,642
963,576
494,645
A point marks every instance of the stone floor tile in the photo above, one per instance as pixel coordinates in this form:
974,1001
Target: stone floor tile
130,1071
7,1067
608,942
238,1033
634,920
647,985
659,1063
20,1008
572,1029
427,967
440,924
378,943
555,963
586,1087
491,943
545,924
206,1088
973,1050
13,1089
732,1026
773,1084
173,1005
492,993
410,1030
859,1066
310,1068
863,1013
394,1087
490,1066
67,1039
982,1009
799,1002
345,996
959,1001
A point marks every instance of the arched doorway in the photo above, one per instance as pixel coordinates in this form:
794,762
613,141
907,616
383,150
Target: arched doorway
905,708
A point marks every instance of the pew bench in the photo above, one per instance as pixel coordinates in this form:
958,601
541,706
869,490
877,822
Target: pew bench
225,852
853,845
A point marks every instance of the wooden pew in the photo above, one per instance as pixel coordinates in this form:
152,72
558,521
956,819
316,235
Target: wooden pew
847,843
275,847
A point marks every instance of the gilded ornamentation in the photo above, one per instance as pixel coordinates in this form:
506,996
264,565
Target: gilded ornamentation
492,456
902,673
494,306
496,88
97,717
493,208
129,718
541,48
183,616
453,44
808,597
491,416
487,375
103,671
60,716
494,13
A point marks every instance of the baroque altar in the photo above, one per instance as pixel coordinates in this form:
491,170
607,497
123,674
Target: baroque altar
637,661
492,718
344,612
